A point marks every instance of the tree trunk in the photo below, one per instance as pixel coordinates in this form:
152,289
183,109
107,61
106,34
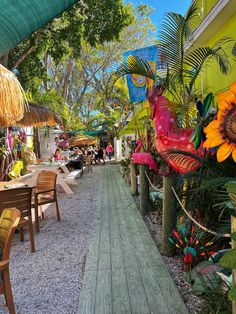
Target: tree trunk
168,215
36,142
133,177
67,78
144,190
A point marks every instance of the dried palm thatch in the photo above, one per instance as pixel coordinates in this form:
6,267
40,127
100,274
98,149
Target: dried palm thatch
82,139
39,116
12,99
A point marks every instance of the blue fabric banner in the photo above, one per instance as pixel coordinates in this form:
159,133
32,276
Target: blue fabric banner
137,83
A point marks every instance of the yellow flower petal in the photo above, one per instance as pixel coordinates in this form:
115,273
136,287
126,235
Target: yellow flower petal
224,105
212,126
220,116
234,153
213,142
224,151
230,97
213,133
222,96
233,87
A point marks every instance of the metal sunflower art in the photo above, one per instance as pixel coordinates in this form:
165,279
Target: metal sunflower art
221,131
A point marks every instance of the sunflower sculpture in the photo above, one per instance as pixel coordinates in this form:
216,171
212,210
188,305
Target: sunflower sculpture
221,131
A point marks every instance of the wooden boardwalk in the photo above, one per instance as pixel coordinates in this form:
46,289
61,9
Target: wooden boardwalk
124,271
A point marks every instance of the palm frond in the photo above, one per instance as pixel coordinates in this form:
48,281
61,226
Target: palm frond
209,185
190,17
186,113
173,32
197,59
135,65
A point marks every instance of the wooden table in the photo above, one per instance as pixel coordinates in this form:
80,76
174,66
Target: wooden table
47,166
6,185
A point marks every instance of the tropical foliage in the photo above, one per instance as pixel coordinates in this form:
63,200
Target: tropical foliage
180,67
71,75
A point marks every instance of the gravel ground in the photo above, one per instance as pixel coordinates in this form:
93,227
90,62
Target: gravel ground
174,265
49,280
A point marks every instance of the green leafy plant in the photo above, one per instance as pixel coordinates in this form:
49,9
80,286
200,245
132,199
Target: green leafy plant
125,166
215,295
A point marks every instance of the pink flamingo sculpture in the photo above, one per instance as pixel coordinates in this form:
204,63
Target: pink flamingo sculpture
168,135
142,157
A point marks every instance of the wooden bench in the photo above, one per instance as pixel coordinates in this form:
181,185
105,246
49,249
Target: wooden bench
73,175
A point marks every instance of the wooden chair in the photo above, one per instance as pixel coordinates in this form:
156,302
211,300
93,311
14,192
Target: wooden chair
45,194
88,163
21,199
8,222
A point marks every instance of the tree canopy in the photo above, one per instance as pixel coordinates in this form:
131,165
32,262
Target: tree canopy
93,21
76,71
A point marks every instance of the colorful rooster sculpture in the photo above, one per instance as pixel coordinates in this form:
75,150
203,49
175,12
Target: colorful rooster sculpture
169,136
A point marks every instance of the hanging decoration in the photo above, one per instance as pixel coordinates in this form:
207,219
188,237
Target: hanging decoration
138,84
221,132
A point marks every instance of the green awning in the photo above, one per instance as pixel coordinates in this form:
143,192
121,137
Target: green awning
20,18
83,131
94,133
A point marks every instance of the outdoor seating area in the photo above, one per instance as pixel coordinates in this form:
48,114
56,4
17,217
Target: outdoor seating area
118,157
50,279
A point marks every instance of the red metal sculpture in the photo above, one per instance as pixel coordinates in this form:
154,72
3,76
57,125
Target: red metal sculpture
168,136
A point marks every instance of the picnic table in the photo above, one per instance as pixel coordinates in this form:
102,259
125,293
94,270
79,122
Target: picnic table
50,166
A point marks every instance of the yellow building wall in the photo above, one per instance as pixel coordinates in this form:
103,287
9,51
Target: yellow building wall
204,7
212,80
208,5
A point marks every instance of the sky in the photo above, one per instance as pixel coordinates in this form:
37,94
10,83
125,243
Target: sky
163,6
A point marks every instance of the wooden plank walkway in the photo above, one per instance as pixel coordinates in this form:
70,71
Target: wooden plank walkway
124,271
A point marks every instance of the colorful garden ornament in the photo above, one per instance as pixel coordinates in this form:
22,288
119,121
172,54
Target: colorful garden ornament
221,132
168,136
190,244
198,134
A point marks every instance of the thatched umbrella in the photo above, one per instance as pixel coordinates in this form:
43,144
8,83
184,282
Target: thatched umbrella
12,100
82,139
39,116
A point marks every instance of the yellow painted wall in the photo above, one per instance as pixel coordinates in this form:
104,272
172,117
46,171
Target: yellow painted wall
204,7
212,79
208,5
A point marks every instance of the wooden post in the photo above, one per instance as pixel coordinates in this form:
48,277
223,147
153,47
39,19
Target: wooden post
144,190
233,229
36,142
169,216
133,177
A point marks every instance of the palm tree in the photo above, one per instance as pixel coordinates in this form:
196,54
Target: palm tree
180,69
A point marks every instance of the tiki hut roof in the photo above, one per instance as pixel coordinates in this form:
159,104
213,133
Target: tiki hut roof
12,99
39,116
